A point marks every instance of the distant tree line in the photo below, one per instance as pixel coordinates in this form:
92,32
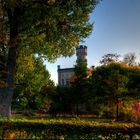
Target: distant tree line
109,90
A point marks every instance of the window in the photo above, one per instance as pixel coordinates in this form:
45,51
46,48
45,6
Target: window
67,82
62,82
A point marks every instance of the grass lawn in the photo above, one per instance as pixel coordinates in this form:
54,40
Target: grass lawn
66,128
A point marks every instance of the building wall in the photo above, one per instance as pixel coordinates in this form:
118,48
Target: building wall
64,76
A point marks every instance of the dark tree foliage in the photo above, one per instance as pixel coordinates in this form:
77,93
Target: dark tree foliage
134,82
30,83
80,84
3,56
109,84
61,101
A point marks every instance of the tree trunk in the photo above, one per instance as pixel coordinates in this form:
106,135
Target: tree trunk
117,111
6,93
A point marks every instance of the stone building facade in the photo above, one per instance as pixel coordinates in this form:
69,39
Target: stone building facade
65,74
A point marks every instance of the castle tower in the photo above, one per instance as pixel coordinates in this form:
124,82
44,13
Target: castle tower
81,52
65,74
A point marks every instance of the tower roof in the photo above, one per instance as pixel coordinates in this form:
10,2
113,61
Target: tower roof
81,47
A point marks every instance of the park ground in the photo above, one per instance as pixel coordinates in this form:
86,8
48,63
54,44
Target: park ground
76,127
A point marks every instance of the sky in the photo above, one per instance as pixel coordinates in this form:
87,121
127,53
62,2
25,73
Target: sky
116,30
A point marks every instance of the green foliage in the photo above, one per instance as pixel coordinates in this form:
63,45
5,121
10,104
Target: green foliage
80,85
61,100
49,28
110,80
109,83
80,69
29,82
43,100
114,85
134,82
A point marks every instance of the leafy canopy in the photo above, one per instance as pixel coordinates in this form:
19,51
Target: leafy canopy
50,27
31,77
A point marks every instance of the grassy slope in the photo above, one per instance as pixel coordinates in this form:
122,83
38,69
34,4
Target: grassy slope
67,126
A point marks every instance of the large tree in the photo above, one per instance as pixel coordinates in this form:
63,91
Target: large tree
109,84
50,28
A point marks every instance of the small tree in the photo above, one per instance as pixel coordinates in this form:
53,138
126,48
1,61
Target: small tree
130,59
